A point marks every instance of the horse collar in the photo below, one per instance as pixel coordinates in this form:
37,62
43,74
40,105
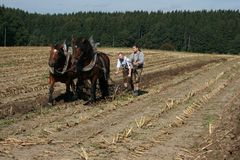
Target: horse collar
91,64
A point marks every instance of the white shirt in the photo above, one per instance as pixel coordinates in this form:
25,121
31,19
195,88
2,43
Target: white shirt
125,63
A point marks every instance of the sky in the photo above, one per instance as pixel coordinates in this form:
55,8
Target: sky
73,6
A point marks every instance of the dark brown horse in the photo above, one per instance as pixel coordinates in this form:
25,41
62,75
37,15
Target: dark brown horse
60,71
91,65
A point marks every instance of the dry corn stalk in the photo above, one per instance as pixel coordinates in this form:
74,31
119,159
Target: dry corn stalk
47,131
84,153
210,128
105,140
83,118
170,103
116,139
218,76
127,133
139,152
141,122
190,94
119,136
180,119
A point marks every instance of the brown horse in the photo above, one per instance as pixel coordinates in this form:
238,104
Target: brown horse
94,66
60,71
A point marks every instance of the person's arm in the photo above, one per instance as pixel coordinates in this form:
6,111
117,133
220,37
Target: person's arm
118,67
129,64
134,63
130,58
129,72
141,58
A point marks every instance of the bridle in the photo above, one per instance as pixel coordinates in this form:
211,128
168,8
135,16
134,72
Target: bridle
52,68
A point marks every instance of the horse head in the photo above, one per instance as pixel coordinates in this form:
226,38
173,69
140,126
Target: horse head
82,48
57,57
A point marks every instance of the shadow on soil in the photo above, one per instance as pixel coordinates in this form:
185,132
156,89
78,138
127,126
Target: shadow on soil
142,92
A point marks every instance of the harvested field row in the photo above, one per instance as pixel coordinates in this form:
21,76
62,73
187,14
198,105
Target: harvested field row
182,94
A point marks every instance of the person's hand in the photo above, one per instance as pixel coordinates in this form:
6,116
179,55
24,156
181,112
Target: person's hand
135,63
116,72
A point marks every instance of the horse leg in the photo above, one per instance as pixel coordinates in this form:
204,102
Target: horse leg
51,90
104,87
79,88
93,91
68,91
73,86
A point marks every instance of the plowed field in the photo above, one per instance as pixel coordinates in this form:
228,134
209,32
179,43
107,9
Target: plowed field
189,108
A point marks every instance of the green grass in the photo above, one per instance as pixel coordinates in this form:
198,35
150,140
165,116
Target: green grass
124,97
209,119
4,123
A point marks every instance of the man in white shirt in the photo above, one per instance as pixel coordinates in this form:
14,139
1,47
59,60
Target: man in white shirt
125,65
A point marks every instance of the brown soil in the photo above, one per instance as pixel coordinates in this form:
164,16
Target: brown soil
188,109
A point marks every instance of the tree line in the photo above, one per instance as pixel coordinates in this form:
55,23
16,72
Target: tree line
215,31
